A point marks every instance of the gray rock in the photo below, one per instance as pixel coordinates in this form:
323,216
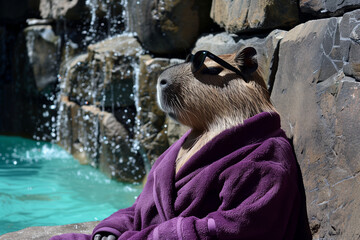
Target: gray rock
64,132
166,27
150,130
97,138
111,65
43,53
72,10
44,233
90,20
220,43
266,47
319,8
118,157
174,130
318,105
150,119
102,78
74,74
105,75
245,16
89,133
351,38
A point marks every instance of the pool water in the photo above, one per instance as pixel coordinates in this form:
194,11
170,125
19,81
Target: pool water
42,185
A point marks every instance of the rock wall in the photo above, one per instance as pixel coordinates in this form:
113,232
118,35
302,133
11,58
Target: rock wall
316,90
102,63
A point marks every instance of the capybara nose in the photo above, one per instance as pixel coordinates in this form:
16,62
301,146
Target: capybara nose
163,83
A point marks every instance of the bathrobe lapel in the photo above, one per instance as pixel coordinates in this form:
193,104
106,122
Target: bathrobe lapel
164,191
231,140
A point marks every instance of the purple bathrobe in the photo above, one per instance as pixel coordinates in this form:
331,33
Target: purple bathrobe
243,184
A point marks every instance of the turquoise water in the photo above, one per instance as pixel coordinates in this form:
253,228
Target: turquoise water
42,185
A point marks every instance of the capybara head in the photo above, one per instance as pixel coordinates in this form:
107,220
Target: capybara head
205,93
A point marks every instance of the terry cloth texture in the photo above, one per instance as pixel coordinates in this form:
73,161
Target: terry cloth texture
243,184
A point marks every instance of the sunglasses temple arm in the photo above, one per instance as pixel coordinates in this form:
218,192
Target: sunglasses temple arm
225,64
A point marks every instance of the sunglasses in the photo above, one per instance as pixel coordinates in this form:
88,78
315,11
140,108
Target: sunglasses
197,60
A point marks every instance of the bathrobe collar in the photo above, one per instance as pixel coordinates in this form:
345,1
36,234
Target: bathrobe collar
253,130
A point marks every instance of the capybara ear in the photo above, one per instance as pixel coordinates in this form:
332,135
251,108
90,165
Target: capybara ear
246,60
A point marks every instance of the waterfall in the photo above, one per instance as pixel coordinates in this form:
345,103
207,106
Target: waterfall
98,93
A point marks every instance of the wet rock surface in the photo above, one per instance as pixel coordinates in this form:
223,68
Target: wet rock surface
98,108
42,49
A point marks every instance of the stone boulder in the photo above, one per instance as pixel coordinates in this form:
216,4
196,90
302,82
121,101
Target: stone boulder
44,233
112,64
151,129
119,157
267,47
327,8
78,10
168,27
319,104
174,130
103,76
99,113
71,10
26,85
249,16
85,21
97,138
43,54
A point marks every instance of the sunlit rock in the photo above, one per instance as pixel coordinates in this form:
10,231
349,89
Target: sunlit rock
78,9
249,16
327,8
105,75
154,130
57,9
166,27
319,106
111,65
150,119
267,47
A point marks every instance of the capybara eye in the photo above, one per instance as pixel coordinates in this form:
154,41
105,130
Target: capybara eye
212,70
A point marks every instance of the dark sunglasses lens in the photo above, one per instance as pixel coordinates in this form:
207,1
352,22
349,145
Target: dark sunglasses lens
198,61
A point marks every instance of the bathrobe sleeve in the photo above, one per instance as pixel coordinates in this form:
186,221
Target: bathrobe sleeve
259,200
117,223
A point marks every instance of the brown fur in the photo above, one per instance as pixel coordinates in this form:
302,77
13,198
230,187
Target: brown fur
209,104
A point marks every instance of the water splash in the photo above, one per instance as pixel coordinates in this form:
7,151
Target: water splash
93,6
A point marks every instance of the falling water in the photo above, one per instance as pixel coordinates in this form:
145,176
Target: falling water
98,85
92,5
